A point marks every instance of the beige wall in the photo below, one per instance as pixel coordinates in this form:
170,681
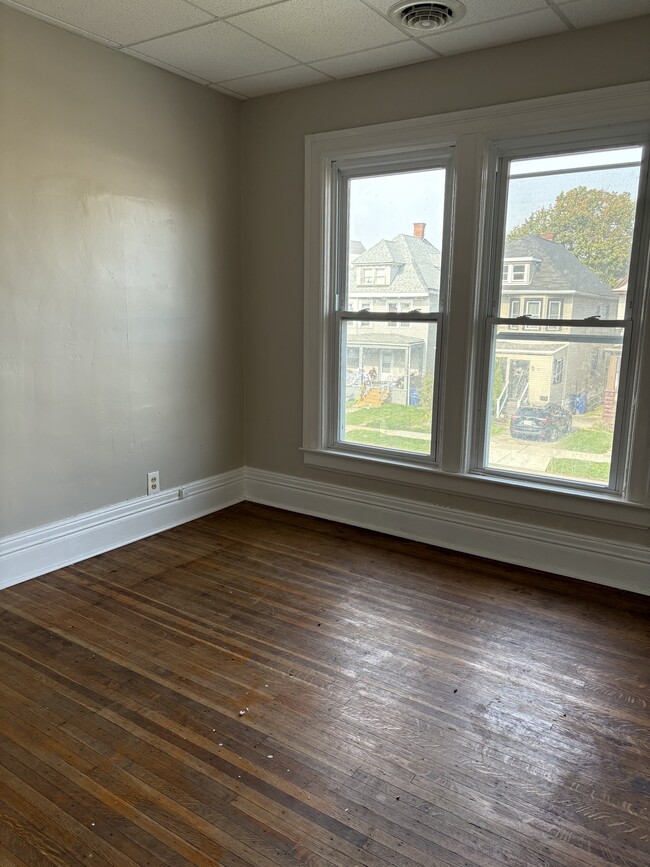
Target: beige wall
273,130
120,295
121,301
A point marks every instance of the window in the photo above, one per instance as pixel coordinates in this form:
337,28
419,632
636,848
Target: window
433,402
515,312
516,272
533,309
554,312
557,359
392,405
367,276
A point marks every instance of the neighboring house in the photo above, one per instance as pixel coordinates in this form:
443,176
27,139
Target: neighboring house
543,280
392,276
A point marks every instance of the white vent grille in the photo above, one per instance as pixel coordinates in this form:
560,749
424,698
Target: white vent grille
424,18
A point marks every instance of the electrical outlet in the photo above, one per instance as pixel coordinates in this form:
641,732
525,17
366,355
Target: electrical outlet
153,482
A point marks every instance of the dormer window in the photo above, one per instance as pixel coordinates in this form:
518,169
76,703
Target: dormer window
372,276
516,272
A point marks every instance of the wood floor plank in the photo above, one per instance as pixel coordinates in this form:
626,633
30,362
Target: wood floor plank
402,705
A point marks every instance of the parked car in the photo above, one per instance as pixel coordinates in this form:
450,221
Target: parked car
548,422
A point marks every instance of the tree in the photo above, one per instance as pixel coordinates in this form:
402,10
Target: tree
595,225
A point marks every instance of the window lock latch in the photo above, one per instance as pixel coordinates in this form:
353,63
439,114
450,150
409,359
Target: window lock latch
594,318
523,318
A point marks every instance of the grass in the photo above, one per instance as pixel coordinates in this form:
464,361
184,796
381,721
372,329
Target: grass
575,468
388,441
598,442
391,416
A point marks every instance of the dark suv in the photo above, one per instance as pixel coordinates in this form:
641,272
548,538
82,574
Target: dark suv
548,422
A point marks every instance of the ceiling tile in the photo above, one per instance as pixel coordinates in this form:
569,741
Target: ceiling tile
215,52
220,8
312,30
584,13
516,29
121,21
272,82
374,59
476,12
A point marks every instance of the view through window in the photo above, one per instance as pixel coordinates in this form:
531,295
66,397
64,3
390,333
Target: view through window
390,309
560,316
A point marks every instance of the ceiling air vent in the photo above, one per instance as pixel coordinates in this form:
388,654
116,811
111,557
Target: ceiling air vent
424,18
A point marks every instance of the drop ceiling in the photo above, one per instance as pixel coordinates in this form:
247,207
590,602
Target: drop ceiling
247,48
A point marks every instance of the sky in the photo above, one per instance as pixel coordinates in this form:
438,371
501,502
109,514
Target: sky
387,205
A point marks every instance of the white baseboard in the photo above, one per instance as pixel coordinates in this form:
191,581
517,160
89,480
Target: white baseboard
53,546
36,552
614,564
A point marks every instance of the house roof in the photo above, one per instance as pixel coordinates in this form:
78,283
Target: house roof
558,269
383,338
536,347
417,261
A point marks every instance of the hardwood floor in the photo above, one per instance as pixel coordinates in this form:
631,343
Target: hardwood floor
260,688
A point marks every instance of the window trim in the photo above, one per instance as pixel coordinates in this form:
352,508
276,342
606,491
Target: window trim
473,130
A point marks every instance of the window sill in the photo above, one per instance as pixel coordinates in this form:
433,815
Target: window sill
526,495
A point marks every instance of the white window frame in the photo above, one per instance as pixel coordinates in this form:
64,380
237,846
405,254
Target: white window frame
509,267
475,132
528,304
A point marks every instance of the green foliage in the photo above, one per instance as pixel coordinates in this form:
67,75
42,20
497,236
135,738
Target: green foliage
497,385
595,471
426,393
595,225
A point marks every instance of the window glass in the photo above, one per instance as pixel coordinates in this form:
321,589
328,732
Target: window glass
395,224
573,216
389,387
390,304
554,389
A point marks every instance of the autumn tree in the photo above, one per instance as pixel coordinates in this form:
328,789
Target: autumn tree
595,225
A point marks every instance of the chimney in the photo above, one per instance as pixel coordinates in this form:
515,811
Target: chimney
548,236
418,231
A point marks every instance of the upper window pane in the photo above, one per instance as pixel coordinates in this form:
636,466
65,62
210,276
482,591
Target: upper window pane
568,231
395,224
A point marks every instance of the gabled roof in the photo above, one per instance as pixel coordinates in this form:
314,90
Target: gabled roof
558,269
418,262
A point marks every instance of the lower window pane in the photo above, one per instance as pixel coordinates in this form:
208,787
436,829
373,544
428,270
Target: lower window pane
388,380
553,402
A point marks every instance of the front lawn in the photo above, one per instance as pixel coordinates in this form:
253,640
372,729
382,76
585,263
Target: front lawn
598,442
595,471
388,441
391,416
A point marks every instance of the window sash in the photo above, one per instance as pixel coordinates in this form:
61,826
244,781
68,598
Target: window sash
500,157
341,172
